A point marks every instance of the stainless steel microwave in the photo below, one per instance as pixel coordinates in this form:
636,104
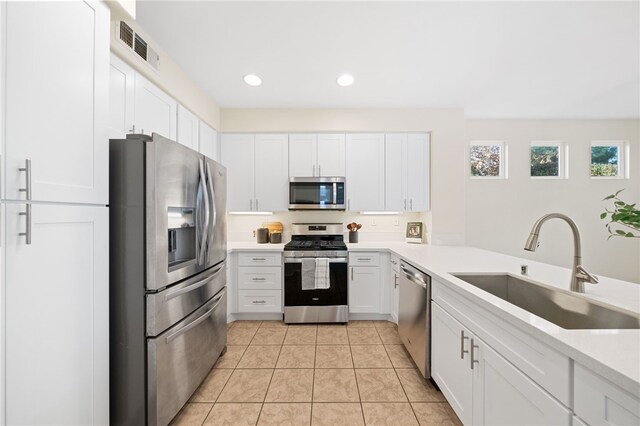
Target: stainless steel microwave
317,193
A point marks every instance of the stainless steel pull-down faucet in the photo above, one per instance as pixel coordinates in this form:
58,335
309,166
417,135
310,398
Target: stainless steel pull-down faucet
578,274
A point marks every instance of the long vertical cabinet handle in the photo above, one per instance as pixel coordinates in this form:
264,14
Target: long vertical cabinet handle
257,208
405,204
472,348
462,349
351,274
27,233
27,170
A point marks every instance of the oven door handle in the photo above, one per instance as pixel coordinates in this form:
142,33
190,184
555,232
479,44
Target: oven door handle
331,259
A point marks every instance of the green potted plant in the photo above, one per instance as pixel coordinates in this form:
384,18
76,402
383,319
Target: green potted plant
624,218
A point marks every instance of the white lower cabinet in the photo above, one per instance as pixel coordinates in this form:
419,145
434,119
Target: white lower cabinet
57,319
258,280
394,269
365,282
482,386
598,401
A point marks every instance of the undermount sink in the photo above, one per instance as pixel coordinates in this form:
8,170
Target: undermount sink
557,306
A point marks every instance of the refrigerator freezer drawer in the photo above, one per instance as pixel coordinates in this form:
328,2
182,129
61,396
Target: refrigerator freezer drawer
180,358
171,305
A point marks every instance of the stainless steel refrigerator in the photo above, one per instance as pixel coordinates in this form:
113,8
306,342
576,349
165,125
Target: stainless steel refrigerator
167,206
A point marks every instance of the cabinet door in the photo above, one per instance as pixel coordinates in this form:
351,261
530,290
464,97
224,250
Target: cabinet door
418,172
303,157
208,141
364,289
121,93
331,155
155,111
57,100
365,172
503,395
236,154
188,128
57,319
449,364
395,177
271,177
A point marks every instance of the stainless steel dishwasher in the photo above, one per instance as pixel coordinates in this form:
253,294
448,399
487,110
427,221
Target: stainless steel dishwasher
414,315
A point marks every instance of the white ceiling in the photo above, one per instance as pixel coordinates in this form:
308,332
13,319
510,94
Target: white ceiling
494,59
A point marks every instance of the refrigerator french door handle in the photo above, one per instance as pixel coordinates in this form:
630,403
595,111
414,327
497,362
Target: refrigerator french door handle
194,323
214,209
204,230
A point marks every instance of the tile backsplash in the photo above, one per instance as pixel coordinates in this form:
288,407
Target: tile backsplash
374,227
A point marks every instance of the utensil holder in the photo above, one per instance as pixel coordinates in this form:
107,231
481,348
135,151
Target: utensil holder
353,236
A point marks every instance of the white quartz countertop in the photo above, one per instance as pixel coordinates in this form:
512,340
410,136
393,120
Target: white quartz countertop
615,354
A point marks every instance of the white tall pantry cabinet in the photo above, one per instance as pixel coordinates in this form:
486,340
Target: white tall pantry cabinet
54,214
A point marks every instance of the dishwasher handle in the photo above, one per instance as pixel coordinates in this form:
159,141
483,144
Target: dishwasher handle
415,278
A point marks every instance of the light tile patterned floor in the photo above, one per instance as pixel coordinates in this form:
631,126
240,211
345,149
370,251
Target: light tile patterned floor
274,374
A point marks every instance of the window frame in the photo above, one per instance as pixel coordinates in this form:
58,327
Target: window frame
623,158
502,169
563,159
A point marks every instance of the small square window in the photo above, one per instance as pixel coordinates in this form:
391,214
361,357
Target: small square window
487,159
548,160
608,159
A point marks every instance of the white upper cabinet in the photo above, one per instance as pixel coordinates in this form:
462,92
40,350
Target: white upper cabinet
121,94
418,171
256,171
236,153
365,172
188,128
57,101
155,111
407,172
303,155
313,155
208,141
271,180
331,155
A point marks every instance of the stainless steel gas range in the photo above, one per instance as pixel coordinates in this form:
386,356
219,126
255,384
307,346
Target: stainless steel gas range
315,274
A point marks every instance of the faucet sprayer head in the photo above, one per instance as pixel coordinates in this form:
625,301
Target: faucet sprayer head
532,242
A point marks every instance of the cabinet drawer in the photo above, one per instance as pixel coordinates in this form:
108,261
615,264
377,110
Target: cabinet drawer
548,368
598,401
259,301
260,259
259,278
364,259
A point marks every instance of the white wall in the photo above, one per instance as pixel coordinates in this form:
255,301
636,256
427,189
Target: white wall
445,222
500,213
170,78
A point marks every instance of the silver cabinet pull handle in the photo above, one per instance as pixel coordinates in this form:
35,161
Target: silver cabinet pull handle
203,317
365,259
257,208
395,280
258,279
256,302
258,259
405,204
351,274
27,233
348,204
462,349
27,170
411,204
473,361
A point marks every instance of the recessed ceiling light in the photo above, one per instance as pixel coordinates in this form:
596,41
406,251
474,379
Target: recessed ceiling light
252,80
345,80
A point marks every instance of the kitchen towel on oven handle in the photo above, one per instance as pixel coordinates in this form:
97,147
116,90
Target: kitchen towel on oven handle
322,273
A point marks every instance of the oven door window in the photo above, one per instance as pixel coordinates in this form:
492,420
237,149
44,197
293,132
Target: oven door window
312,193
335,295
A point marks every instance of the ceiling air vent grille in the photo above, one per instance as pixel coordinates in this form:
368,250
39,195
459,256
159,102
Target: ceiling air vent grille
141,47
126,34
138,45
